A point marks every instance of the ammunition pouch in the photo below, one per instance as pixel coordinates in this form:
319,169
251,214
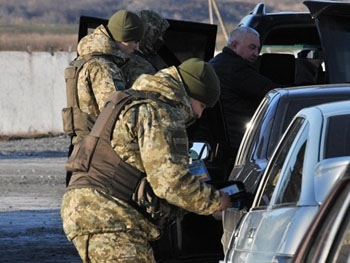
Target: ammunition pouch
75,121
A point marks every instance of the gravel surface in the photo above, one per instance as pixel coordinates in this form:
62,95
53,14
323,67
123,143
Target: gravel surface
55,146
32,182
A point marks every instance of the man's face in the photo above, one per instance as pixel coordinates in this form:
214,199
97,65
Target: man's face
197,107
248,47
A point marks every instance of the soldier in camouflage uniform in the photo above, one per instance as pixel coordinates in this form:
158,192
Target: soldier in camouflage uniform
150,135
101,75
140,61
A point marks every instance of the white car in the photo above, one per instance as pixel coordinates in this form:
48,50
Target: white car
307,162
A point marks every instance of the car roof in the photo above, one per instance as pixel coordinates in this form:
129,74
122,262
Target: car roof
317,90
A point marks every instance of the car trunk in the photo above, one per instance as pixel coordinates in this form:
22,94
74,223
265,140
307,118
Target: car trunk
332,21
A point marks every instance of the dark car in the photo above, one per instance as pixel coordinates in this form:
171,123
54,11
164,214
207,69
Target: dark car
328,237
291,49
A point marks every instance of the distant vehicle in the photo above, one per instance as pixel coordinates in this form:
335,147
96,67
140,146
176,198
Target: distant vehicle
328,237
279,106
291,189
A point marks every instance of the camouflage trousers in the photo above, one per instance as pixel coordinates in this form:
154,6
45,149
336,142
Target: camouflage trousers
124,247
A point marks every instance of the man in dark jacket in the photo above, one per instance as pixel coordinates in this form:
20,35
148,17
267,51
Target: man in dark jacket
242,87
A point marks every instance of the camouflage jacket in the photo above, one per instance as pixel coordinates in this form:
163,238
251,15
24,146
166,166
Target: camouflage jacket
137,64
102,75
140,62
151,136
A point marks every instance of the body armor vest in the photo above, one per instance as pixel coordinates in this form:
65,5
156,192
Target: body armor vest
95,164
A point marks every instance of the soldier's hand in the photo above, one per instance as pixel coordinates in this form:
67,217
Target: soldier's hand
225,201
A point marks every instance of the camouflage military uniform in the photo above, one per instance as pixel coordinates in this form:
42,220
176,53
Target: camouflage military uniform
140,62
151,136
101,75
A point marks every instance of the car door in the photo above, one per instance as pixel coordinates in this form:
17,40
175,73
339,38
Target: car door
262,230
328,238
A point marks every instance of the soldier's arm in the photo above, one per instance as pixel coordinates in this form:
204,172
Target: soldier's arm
164,152
105,78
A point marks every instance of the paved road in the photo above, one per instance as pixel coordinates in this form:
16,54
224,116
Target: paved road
34,236
31,187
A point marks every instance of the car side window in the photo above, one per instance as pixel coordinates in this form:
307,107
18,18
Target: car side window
290,189
276,165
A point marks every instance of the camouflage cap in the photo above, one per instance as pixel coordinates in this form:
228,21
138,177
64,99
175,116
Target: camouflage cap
125,26
154,28
201,81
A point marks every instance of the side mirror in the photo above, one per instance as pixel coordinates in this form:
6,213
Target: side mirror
327,172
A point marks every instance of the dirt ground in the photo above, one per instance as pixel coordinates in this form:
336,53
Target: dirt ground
32,182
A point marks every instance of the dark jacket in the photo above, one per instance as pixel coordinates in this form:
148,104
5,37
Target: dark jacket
242,89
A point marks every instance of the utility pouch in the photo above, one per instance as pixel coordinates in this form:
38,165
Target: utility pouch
80,158
70,74
75,121
67,119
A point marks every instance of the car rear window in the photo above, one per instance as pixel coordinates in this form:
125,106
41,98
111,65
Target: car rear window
338,137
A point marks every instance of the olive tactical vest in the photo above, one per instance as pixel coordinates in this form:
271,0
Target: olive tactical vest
76,123
96,165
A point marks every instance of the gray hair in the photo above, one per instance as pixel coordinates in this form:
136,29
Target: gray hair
240,32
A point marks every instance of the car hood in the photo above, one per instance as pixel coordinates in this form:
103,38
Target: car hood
332,21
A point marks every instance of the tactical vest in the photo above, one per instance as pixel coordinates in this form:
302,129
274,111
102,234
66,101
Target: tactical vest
76,123
96,165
